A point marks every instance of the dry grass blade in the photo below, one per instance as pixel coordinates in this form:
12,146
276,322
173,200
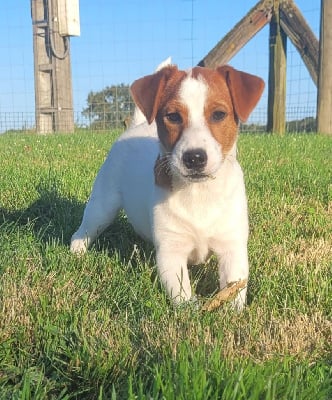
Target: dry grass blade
226,294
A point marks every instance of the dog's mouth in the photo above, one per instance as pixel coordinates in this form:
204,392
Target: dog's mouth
197,177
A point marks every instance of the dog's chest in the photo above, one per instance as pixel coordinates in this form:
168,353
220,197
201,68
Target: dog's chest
196,217
196,210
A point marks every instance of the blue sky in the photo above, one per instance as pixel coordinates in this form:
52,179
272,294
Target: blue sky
123,40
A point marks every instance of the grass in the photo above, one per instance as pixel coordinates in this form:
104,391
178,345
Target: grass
101,327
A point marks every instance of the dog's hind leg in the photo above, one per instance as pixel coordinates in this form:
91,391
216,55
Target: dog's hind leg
99,213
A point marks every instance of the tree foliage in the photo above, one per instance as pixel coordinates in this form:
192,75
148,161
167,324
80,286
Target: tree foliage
308,124
109,108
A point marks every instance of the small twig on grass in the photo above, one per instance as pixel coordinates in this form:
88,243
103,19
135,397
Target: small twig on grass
224,295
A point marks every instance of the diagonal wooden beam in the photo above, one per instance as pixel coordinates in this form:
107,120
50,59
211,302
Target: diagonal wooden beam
243,31
297,29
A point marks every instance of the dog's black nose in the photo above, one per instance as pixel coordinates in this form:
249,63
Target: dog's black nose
195,159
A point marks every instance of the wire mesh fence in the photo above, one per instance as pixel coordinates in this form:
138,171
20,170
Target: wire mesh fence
119,43
10,122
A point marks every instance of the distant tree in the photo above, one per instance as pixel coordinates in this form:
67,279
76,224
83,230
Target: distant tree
308,124
109,108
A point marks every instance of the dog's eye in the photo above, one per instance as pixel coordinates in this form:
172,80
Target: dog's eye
174,118
218,116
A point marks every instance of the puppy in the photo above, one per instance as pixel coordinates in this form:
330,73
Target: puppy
176,175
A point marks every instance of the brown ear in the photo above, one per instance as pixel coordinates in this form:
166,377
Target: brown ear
245,90
147,91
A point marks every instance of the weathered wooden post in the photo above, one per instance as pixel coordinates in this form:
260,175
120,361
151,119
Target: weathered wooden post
276,118
324,101
53,22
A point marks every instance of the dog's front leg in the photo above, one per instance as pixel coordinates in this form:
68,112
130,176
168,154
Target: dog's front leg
233,267
173,272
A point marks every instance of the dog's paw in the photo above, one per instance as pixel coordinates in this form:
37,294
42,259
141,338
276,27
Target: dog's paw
78,246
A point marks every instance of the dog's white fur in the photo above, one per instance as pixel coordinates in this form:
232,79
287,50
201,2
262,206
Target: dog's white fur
186,222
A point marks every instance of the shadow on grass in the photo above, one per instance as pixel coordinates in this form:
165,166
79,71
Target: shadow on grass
54,218
51,216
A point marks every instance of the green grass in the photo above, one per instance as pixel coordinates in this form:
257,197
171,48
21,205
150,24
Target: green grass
101,327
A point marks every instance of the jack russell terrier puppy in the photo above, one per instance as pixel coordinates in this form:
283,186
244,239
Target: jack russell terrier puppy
176,175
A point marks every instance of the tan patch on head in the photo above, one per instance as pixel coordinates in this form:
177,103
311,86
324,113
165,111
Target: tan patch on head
157,97
169,131
219,101
245,90
151,92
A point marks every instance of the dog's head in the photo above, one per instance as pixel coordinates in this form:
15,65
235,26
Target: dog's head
197,114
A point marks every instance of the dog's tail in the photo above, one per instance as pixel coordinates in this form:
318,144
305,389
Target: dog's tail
164,63
138,117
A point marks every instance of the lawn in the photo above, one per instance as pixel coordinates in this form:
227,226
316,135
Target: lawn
100,326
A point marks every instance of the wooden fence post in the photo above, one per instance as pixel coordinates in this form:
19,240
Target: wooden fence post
276,118
53,85
324,101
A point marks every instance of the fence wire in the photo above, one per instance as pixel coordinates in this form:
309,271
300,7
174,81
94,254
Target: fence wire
119,44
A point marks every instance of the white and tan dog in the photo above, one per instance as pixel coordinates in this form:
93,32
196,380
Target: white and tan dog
176,174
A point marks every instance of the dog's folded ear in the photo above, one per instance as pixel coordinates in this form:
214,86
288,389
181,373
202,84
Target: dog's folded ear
147,91
245,89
